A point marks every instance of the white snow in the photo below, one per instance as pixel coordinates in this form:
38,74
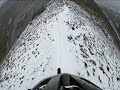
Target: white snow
10,20
62,36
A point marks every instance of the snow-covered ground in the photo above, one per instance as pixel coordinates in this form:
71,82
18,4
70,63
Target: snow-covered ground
63,36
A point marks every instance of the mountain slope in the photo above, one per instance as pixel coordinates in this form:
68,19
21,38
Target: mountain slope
113,16
14,17
65,35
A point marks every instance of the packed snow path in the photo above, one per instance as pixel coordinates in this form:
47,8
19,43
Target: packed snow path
62,36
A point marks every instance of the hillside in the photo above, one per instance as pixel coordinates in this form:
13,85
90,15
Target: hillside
69,34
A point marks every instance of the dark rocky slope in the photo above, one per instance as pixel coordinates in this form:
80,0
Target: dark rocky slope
14,17
113,16
91,7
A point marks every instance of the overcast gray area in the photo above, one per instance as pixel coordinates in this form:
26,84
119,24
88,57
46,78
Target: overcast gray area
110,3
2,1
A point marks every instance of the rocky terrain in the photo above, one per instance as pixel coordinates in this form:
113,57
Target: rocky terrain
14,17
112,13
69,34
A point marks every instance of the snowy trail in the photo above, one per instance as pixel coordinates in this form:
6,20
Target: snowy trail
63,36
